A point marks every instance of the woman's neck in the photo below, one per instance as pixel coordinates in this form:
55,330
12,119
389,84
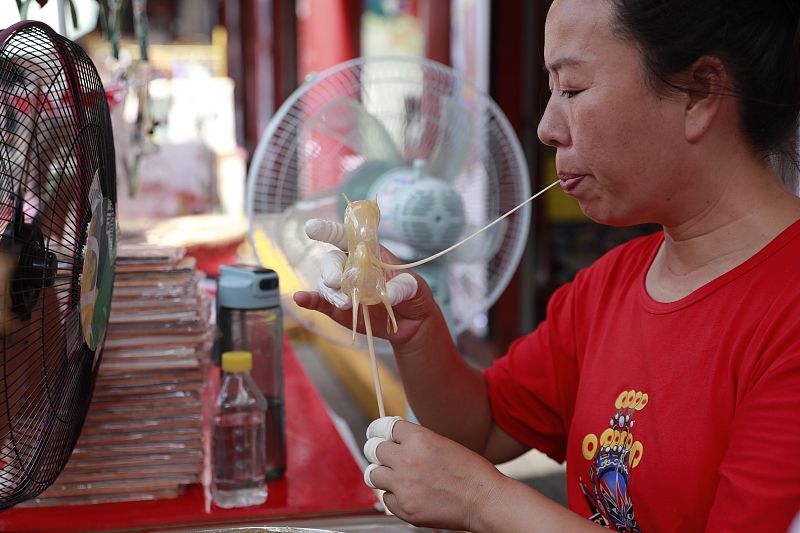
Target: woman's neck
753,209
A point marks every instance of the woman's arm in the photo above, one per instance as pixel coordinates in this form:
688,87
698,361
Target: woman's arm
445,393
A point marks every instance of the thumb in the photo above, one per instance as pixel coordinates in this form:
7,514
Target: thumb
419,303
401,288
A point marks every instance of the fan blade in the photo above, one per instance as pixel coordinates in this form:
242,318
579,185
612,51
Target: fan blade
304,253
481,247
349,123
286,233
359,183
455,132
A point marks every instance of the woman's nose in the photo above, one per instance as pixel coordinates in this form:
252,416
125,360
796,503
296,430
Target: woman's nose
553,130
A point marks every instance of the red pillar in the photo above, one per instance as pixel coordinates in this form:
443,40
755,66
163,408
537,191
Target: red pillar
435,16
327,33
506,88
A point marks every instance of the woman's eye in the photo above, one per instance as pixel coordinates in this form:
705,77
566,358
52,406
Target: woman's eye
569,94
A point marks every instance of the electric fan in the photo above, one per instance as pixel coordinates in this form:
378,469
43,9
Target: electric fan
437,154
57,250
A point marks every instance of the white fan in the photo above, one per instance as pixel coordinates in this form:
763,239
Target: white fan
438,155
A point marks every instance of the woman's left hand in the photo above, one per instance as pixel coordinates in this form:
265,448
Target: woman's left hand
429,480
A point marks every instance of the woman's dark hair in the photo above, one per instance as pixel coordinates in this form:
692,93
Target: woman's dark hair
758,41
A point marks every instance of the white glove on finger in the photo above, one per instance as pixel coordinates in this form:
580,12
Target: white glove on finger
398,289
327,231
330,268
378,432
330,279
368,475
401,288
382,428
371,450
334,296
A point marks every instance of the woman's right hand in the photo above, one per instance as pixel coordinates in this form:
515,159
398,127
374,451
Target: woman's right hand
411,298
430,480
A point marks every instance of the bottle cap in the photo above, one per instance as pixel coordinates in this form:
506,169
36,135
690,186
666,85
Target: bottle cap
248,287
237,361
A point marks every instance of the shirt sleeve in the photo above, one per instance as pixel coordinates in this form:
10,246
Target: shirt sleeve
532,388
759,486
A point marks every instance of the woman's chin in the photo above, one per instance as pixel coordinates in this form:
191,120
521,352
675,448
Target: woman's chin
607,215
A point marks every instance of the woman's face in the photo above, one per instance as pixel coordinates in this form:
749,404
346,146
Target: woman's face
618,143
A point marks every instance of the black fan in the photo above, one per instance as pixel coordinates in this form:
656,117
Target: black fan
57,251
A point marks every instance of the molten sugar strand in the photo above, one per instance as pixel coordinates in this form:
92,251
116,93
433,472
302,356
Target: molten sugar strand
388,266
376,378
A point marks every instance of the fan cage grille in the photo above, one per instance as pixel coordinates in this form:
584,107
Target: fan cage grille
293,165
55,141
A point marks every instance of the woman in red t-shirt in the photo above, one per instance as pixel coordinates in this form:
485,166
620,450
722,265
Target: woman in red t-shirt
667,373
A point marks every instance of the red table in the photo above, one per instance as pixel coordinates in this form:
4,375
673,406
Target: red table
322,480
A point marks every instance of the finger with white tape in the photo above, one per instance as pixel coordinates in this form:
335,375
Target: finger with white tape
327,231
330,268
371,449
368,475
334,296
382,428
400,288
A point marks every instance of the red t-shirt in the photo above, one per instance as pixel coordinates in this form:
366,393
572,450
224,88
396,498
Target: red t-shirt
681,416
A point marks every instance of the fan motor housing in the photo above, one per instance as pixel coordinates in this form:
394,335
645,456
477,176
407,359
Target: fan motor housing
36,267
424,213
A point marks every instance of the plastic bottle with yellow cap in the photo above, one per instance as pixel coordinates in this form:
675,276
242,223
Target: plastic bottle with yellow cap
238,457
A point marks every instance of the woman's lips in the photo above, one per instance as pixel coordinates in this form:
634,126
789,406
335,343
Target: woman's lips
569,181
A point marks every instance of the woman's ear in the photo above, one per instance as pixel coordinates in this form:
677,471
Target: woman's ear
706,82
